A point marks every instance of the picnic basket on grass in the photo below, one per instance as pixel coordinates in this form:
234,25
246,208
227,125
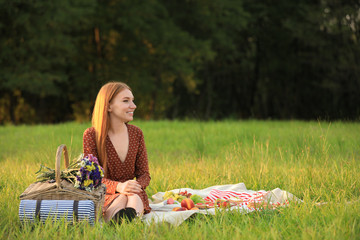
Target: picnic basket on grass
62,189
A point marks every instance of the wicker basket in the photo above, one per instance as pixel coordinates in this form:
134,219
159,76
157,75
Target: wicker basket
64,190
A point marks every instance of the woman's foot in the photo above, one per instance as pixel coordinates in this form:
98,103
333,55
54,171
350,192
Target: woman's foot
130,213
117,218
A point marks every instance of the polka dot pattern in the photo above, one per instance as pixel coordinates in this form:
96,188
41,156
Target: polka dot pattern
135,165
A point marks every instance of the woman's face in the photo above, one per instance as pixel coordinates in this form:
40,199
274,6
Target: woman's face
122,106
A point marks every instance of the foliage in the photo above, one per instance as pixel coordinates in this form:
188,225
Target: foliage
48,174
183,59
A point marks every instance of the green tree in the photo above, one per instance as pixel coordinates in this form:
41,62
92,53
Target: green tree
220,24
141,44
39,44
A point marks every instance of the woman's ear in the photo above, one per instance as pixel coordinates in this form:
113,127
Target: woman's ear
109,109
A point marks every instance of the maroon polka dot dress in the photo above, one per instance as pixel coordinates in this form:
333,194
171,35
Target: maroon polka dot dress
135,164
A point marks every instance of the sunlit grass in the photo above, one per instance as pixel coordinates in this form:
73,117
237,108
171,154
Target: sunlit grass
316,161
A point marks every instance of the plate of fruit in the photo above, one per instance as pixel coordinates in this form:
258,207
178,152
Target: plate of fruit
186,200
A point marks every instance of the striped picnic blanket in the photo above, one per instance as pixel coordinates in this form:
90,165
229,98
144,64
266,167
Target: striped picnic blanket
70,210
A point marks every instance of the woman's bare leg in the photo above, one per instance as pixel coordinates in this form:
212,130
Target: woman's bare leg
134,201
119,203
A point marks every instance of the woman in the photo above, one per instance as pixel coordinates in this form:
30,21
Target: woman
121,151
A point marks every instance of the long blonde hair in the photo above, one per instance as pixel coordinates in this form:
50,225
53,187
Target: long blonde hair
101,120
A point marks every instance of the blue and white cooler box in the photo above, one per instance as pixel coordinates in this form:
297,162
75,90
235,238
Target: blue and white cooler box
70,210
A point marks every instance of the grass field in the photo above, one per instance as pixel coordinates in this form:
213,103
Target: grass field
316,161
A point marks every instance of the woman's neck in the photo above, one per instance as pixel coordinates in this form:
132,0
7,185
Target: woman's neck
117,127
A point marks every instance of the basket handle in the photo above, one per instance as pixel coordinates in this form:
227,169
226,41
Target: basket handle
61,148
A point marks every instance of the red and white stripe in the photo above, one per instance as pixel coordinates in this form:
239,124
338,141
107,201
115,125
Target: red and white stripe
244,196
255,197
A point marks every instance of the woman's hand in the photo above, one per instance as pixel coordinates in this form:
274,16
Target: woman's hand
129,187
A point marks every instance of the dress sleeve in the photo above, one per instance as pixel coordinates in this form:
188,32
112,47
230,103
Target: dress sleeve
110,185
89,147
141,166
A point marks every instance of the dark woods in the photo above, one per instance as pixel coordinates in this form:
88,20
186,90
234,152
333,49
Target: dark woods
183,59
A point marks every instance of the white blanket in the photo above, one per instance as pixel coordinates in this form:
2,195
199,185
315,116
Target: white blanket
162,212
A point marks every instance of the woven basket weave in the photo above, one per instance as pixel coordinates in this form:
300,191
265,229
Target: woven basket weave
64,190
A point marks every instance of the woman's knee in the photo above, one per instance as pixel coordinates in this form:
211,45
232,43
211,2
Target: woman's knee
135,202
120,201
134,198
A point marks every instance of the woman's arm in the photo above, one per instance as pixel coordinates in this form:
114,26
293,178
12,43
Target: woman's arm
141,165
89,147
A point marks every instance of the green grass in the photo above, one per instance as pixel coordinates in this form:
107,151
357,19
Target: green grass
316,161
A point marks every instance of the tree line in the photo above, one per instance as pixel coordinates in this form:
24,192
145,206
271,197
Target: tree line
183,59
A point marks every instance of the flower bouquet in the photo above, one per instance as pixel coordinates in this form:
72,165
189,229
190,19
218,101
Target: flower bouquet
84,172
90,174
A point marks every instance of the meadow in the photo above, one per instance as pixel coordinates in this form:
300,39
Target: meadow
319,162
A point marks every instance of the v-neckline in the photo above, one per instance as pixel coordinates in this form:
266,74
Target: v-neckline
127,153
